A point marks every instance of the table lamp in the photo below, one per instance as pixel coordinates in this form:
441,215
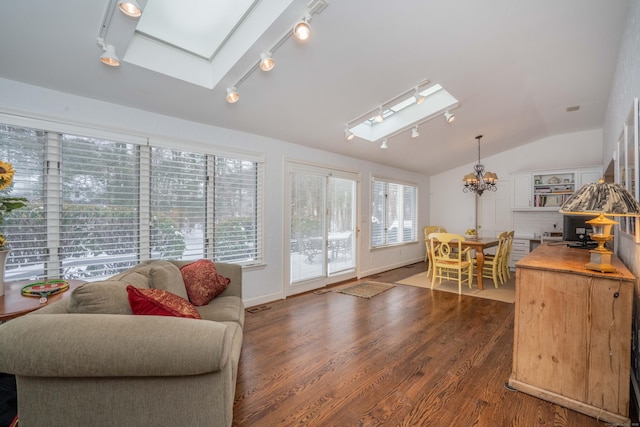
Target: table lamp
603,199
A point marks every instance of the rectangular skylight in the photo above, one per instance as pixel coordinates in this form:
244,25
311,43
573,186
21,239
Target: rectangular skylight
196,26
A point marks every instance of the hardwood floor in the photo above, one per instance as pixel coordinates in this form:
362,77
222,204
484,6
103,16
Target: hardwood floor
406,357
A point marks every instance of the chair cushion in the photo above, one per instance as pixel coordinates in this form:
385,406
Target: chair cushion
156,302
202,281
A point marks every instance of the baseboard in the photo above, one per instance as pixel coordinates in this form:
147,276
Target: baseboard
402,263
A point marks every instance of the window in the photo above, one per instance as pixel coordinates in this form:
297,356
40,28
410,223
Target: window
393,213
98,205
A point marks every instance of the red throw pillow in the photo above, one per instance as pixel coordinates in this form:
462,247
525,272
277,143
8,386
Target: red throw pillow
156,302
202,281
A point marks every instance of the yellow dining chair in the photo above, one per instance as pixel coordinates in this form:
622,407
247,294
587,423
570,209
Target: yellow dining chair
428,230
450,257
494,264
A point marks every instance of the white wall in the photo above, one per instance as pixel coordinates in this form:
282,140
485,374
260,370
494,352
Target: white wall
455,210
261,284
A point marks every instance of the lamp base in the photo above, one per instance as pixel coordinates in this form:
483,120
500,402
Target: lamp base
600,261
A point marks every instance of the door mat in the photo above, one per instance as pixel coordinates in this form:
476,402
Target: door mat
366,289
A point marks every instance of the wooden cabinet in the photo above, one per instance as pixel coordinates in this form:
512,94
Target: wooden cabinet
572,334
548,190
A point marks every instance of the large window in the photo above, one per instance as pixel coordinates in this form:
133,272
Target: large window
100,205
393,213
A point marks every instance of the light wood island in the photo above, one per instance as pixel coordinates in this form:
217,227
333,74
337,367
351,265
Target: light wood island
572,334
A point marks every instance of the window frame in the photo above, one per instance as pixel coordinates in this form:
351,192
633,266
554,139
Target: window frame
387,220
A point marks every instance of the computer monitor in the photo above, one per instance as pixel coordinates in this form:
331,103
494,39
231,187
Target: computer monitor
576,230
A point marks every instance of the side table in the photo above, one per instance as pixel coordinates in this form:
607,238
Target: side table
13,304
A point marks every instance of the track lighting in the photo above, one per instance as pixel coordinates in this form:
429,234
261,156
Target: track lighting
266,61
379,117
232,95
419,98
348,134
449,117
414,132
130,8
384,144
108,56
302,29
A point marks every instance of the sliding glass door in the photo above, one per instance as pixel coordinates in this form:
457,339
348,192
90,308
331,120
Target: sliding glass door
322,226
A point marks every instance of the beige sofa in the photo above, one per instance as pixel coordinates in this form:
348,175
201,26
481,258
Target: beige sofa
87,361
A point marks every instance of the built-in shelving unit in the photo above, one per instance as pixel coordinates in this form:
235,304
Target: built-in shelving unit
552,190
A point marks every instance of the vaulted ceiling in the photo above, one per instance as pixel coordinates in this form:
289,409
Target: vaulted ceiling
514,67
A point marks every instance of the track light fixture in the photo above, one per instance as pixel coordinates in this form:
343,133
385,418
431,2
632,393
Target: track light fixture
414,132
108,55
130,8
302,29
384,144
232,95
419,98
449,117
266,61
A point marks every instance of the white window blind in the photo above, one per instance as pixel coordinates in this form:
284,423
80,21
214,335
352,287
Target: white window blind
25,228
178,204
238,210
393,213
99,224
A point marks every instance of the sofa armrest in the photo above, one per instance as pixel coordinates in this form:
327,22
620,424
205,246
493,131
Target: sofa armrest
106,345
233,272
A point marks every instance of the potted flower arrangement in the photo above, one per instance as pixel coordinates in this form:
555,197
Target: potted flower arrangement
7,204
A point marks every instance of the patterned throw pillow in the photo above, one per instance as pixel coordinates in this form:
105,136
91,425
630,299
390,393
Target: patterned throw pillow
203,282
156,302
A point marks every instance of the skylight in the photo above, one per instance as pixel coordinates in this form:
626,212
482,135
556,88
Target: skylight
193,25
405,114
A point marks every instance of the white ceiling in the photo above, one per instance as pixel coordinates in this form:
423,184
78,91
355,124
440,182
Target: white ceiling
514,66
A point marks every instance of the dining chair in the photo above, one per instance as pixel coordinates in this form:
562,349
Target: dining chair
506,273
428,230
494,263
449,257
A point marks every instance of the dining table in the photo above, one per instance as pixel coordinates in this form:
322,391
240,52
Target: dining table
479,244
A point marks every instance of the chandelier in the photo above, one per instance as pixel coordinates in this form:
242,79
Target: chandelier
479,181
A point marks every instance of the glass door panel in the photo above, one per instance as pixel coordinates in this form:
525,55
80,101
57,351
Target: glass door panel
341,213
308,245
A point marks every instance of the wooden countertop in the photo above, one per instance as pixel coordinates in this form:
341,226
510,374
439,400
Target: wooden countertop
555,257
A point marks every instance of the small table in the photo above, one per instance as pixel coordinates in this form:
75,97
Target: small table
480,244
13,304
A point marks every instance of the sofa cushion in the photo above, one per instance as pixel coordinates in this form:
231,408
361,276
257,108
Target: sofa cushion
104,297
138,276
156,302
224,309
167,277
202,281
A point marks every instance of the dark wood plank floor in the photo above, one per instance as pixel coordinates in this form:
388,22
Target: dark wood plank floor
407,357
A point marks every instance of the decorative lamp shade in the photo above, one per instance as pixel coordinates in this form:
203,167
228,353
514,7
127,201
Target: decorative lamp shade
601,198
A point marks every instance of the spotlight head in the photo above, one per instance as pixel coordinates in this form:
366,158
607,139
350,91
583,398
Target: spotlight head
348,134
302,29
379,117
130,8
232,95
109,57
449,117
414,132
419,98
384,144
266,61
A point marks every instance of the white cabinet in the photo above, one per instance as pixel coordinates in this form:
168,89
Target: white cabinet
548,190
519,249
521,191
